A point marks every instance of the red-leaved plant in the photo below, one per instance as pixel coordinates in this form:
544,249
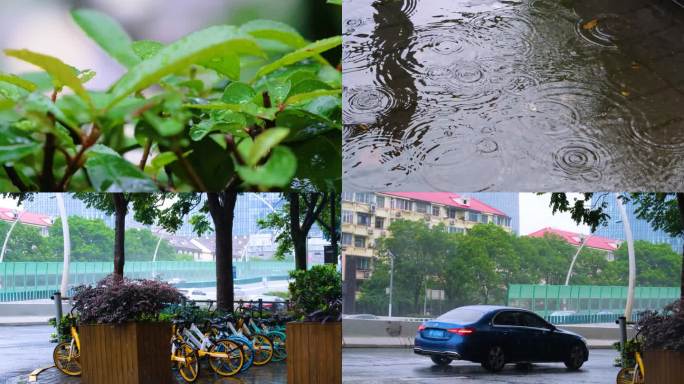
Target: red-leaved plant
664,330
119,300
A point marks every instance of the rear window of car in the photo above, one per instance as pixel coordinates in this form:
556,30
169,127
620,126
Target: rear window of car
462,315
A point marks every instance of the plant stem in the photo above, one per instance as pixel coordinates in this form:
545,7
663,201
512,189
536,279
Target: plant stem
146,154
196,181
47,178
75,162
14,177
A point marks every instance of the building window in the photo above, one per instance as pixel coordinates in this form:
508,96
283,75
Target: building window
473,216
363,263
484,219
380,201
347,217
456,230
360,241
435,210
347,196
404,205
346,238
452,213
422,207
379,222
365,197
363,219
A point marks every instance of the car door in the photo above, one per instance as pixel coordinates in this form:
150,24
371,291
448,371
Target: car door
539,341
509,335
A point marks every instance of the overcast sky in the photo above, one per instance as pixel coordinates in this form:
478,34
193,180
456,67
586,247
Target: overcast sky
535,214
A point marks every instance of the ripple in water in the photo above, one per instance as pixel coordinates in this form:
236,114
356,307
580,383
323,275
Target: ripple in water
581,158
365,105
604,30
504,34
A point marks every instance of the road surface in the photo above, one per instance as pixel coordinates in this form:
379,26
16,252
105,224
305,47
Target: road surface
393,366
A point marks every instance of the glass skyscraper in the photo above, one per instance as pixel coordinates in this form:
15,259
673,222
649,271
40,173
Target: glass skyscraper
641,229
508,202
249,208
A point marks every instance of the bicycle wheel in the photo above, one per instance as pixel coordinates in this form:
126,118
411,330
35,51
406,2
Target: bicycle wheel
263,349
247,351
232,363
279,350
189,368
66,359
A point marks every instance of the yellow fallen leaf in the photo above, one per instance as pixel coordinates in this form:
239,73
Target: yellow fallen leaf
591,24
624,93
636,65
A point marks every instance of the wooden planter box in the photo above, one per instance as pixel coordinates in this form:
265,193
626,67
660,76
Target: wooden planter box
132,353
314,353
664,367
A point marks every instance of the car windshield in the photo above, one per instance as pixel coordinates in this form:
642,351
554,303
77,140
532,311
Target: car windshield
461,315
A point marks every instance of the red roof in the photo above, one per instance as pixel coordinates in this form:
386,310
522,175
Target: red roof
573,238
8,214
449,199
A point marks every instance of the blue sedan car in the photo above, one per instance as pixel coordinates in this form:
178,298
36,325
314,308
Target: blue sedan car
494,336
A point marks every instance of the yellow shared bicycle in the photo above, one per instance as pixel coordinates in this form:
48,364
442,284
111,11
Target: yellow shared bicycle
67,354
634,375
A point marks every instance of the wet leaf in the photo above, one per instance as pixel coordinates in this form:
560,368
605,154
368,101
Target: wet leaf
163,159
146,48
276,172
164,126
14,146
303,125
108,34
302,97
300,54
253,152
238,93
109,172
274,30
196,47
228,65
59,71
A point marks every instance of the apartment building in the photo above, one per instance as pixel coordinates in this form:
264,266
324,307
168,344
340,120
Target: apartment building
367,216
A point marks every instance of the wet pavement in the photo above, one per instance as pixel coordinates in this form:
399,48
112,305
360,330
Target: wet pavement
380,366
26,348
525,95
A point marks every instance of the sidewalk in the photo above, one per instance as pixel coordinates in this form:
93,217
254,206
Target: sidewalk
24,320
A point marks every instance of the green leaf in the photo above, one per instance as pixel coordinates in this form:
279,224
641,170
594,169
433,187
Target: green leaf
263,143
196,47
246,108
303,125
108,34
308,85
18,81
109,172
41,79
336,2
228,65
55,67
278,91
225,121
163,159
238,93
276,172
146,48
274,30
300,54
302,97
164,126
14,146
11,92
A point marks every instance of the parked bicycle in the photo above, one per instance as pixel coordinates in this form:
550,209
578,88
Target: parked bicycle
67,354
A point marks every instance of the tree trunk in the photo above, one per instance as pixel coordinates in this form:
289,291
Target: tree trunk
680,205
334,233
298,243
120,211
222,210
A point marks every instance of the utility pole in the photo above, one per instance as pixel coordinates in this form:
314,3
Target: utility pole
632,260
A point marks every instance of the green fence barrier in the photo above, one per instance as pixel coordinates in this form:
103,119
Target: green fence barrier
38,280
586,300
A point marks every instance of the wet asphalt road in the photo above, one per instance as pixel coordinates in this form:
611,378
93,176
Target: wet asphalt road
25,348
380,366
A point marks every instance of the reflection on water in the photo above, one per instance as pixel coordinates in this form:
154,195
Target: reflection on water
513,95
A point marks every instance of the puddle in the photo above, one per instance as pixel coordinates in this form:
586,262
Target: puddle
525,95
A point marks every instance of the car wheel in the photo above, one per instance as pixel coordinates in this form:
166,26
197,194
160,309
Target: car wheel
495,359
441,360
575,358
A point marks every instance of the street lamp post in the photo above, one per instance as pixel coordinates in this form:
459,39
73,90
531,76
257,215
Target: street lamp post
632,260
67,244
9,232
583,240
391,287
